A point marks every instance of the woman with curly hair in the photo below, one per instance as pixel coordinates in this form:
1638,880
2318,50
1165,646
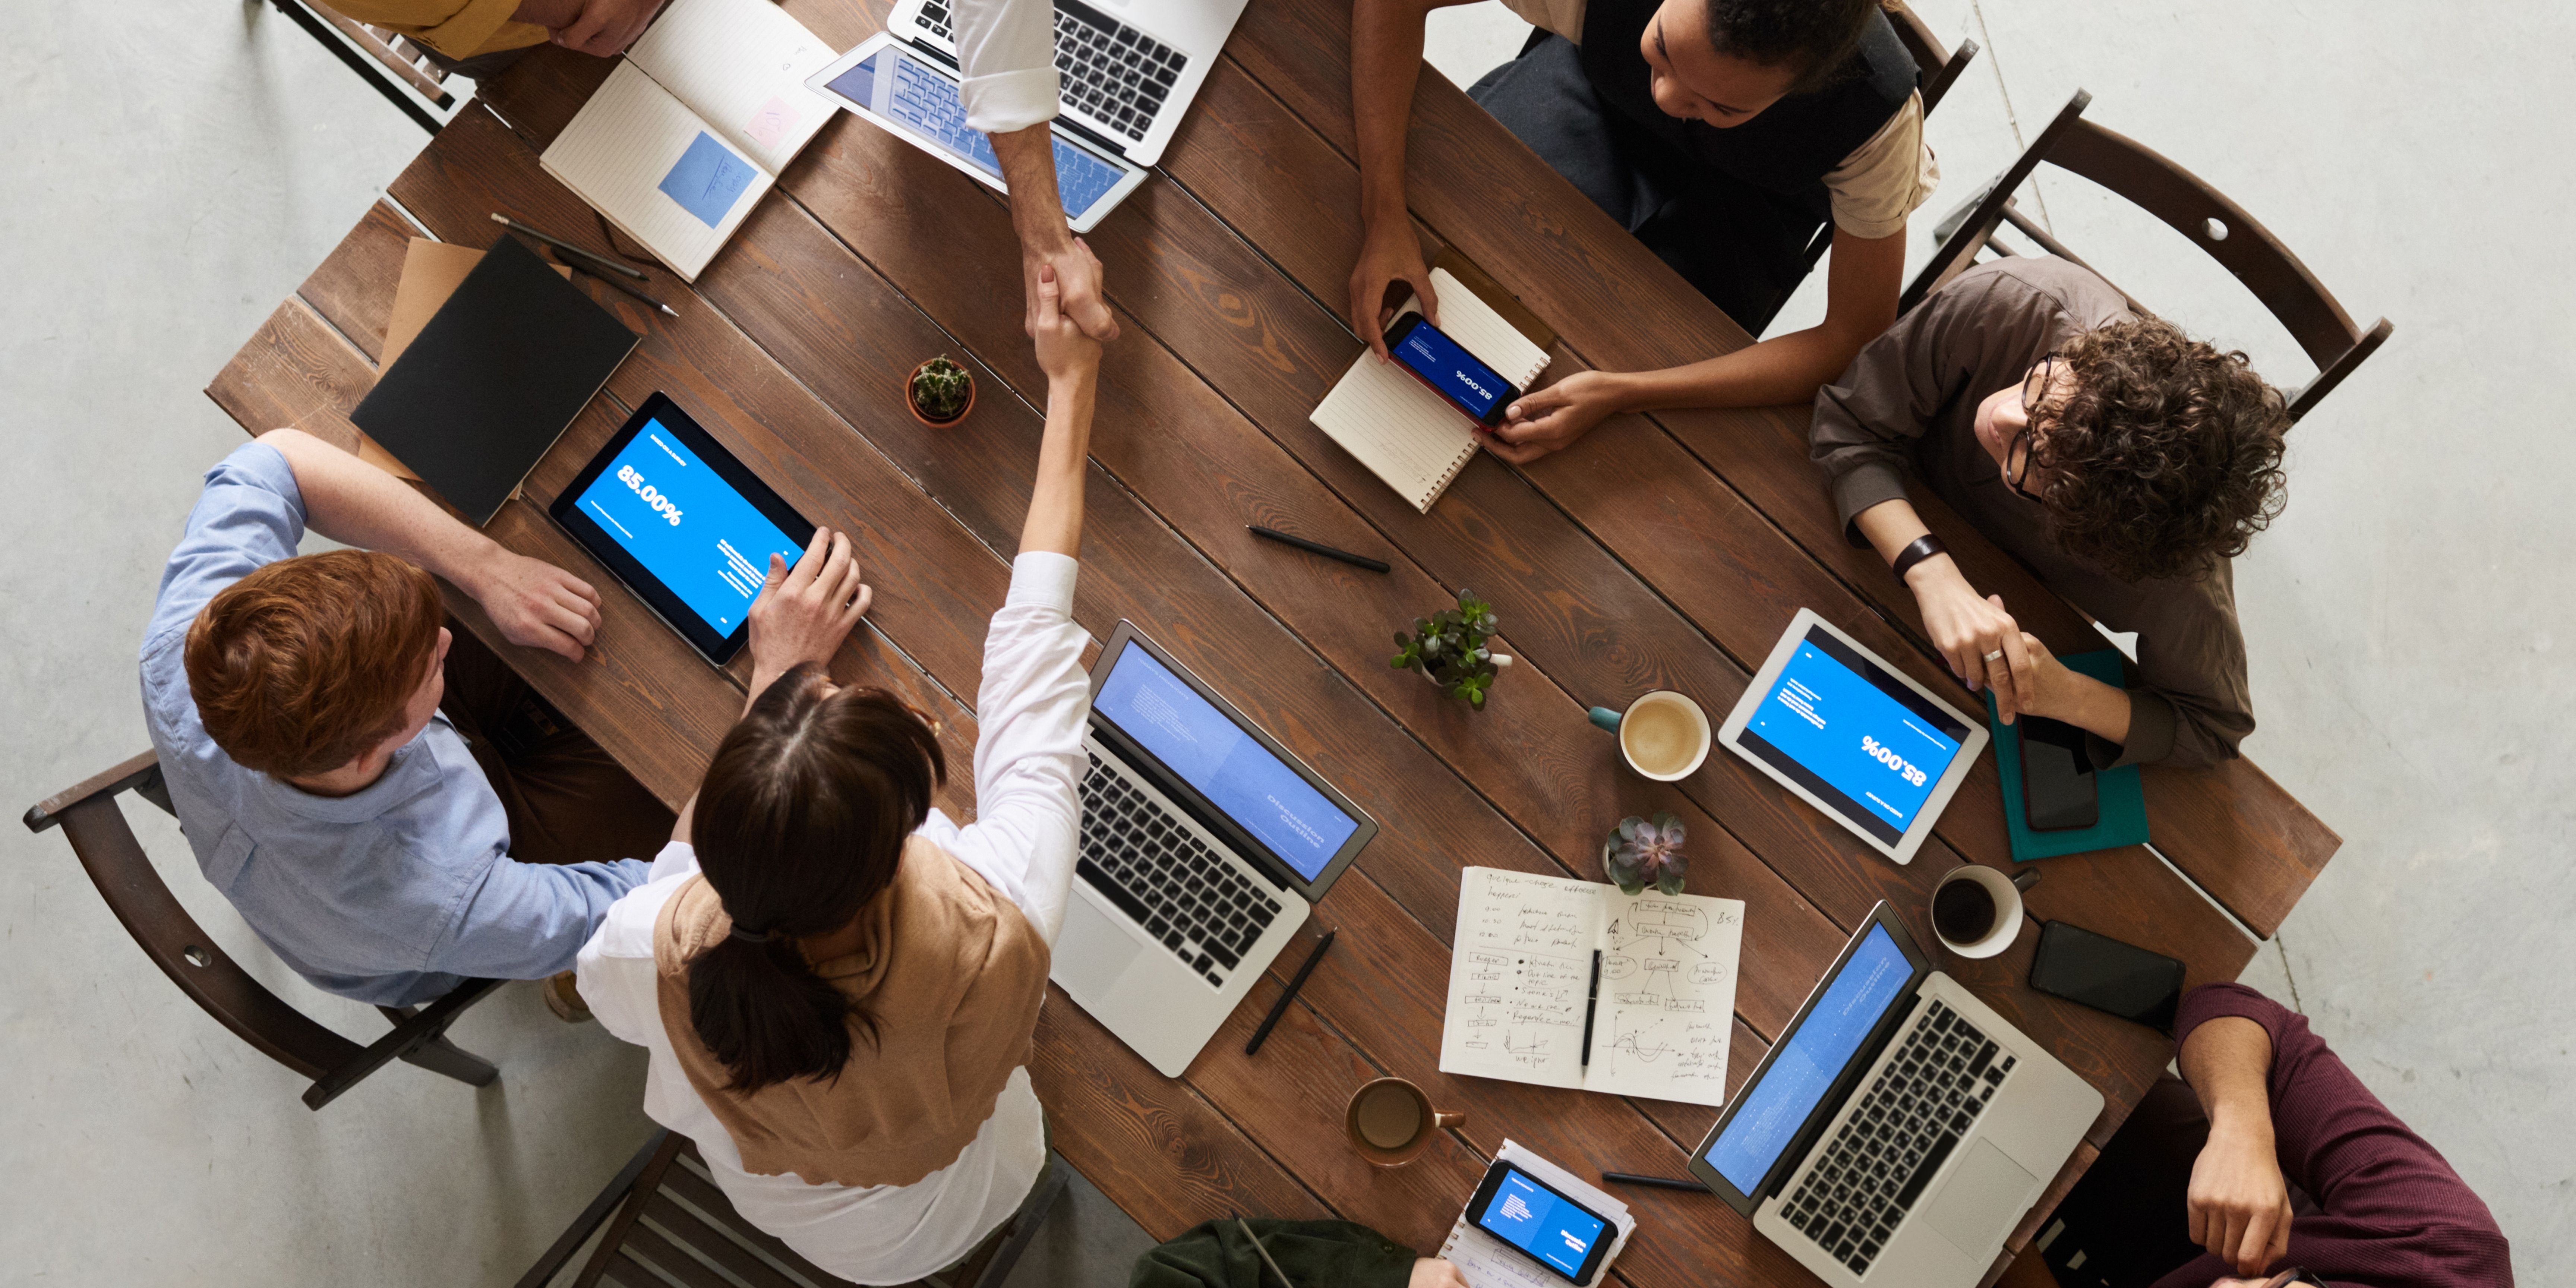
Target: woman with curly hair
2122,461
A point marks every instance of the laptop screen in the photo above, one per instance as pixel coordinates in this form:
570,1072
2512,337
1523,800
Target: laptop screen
1263,794
902,88
1769,1114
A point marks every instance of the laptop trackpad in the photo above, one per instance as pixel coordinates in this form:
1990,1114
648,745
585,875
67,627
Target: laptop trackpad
1981,1200
1093,951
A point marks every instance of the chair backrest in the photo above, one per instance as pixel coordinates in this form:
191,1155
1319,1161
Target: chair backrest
400,70
2188,205
1940,68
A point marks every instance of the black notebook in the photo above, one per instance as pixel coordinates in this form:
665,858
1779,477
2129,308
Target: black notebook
495,377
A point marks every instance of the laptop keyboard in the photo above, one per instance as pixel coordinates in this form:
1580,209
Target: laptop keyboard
1111,72
1909,1120
1149,863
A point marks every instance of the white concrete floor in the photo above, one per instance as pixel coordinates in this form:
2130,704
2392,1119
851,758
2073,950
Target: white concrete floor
179,167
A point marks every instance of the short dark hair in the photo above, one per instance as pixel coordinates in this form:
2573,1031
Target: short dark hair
300,667
2166,458
801,821
1816,37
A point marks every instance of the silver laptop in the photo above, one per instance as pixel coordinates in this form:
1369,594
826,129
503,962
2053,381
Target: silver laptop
1204,846
1899,1128
1127,70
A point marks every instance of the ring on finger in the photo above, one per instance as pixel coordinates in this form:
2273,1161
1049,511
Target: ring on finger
1996,654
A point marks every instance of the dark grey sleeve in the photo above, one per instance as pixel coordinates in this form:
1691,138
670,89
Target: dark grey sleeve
2190,705
1868,419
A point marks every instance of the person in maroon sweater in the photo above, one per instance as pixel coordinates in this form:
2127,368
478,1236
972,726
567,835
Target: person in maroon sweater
2270,1164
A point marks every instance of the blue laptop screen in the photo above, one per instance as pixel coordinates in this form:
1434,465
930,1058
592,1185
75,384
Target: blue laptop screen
1263,794
925,100
1769,1113
688,527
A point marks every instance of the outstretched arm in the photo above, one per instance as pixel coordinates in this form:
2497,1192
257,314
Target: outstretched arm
1386,62
1071,359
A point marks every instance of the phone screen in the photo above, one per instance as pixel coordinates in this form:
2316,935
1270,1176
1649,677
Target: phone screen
1451,371
1551,1229
2108,975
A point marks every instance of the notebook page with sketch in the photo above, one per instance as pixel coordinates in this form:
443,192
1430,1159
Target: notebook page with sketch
1406,434
644,160
1521,967
741,66
1486,1262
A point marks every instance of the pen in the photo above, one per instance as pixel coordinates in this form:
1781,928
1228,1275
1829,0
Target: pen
1591,1003
560,244
1659,1182
1357,561
603,277
1295,982
1265,1253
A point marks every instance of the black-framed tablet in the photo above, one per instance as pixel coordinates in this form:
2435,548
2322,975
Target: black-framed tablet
686,526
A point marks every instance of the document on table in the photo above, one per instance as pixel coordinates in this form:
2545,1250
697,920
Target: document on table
1520,970
1488,1262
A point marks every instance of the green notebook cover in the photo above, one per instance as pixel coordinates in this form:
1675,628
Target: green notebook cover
2123,797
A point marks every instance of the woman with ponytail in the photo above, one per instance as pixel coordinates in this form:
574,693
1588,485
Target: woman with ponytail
838,985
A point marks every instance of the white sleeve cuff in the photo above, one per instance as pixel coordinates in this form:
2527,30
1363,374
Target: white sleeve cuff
1013,100
1043,579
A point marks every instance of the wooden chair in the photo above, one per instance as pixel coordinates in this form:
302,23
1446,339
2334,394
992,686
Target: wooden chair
673,1226
2188,206
95,824
400,70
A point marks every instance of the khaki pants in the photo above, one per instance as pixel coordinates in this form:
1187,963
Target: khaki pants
568,801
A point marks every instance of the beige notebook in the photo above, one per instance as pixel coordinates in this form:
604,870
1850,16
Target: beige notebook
1411,437
694,126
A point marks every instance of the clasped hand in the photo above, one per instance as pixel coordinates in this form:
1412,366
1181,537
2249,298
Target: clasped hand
1984,645
1077,277
2238,1202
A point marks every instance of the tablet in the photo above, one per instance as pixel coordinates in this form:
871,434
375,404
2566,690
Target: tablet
683,524
913,95
1853,737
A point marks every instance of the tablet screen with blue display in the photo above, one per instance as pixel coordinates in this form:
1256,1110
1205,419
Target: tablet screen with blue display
683,524
1858,739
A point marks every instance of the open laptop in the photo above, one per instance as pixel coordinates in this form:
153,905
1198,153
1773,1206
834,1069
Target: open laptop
1124,77
1899,1128
1204,846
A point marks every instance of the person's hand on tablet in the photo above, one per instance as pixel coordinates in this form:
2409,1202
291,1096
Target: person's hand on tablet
534,603
803,613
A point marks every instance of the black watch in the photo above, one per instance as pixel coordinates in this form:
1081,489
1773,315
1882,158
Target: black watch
1924,547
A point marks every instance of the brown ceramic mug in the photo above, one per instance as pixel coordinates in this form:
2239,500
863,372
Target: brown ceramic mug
1391,1120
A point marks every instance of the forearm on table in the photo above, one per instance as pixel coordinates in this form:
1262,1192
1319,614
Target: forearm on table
2228,1062
1783,369
1386,64
356,504
1028,168
1055,504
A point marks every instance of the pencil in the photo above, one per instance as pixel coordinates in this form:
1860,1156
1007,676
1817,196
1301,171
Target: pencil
1658,1182
1265,1253
627,270
603,277
1289,994
1357,561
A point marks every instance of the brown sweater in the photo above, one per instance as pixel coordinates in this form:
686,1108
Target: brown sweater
1909,403
952,973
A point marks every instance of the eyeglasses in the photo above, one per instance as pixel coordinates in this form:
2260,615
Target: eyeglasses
2025,445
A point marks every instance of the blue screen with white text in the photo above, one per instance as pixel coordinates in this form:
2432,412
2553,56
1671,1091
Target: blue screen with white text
897,86
1451,369
1863,743
1536,1221
670,510
1770,1112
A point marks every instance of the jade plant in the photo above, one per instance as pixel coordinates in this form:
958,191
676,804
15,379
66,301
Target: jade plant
1449,648
941,388
1645,852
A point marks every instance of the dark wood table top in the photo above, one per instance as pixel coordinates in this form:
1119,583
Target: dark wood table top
1665,551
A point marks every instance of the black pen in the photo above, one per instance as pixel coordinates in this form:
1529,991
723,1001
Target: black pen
560,244
1659,1182
1357,561
1591,1004
1295,982
603,277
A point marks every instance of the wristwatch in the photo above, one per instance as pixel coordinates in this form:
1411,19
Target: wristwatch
1924,547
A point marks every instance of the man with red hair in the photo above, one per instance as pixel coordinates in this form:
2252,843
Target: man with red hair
384,802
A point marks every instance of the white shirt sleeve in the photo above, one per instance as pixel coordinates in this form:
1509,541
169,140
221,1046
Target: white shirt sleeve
1006,50
615,971
1029,760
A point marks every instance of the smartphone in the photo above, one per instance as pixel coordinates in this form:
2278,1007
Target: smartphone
1539,1222
1453,373
2057,791
2107,975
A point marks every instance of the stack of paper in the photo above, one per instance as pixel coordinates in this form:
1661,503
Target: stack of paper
1488,1262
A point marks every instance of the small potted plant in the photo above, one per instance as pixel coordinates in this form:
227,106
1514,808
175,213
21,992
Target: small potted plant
1448,648
1645,852
940,392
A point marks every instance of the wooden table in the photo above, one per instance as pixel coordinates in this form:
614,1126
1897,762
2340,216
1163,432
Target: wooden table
1665,551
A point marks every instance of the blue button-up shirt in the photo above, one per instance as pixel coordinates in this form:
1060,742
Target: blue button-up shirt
390,895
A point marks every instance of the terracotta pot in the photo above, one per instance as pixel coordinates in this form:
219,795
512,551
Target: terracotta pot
915,408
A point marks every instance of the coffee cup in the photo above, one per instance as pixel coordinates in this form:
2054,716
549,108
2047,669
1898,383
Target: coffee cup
1976,910
1390,1121
1663,735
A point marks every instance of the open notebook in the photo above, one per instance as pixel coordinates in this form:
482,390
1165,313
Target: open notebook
1520,986
694,126
1408,435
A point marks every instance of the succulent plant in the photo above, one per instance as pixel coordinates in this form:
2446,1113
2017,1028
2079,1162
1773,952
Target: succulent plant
1643,853
1449,647
941,387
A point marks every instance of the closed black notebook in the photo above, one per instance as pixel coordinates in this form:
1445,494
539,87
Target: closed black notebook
494,378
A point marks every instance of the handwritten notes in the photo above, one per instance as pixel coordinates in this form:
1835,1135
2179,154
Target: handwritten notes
1520,985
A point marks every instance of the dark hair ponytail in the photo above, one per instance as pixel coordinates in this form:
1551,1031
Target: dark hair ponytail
800,822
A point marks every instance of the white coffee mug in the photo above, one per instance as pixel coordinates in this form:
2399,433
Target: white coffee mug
1695,734
2006,892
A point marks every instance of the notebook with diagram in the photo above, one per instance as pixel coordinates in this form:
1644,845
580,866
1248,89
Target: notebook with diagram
694,126
1406,434
1521,992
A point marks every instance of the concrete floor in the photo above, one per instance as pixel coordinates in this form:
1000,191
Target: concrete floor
176,177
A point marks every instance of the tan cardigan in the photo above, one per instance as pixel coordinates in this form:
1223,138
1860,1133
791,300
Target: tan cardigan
953,974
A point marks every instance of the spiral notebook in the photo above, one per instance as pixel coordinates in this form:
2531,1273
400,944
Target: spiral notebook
1486,1262
1406,434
